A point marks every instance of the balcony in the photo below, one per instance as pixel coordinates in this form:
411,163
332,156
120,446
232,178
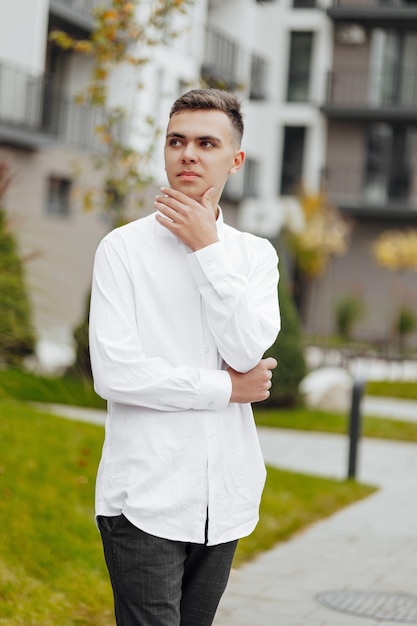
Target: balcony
34,113
220,65
78,13
375,96
389,195
375,13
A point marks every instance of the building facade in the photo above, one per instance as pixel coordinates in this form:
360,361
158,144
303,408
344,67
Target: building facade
45,138
49,143
274,54
371,162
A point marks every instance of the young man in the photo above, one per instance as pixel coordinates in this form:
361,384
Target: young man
183,308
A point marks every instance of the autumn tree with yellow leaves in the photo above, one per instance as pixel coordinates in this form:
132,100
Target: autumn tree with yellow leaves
396,250
124,34
322,235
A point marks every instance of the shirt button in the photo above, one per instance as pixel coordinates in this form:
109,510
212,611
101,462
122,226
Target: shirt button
207,350
211,404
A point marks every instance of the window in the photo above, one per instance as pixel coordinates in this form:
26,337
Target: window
301,45
391,156
251,178
59,191
292,159
304,4
258,78
394,62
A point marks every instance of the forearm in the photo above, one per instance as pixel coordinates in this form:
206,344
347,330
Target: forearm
241,305
154,384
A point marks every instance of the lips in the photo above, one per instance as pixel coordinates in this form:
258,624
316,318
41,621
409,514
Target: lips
188,175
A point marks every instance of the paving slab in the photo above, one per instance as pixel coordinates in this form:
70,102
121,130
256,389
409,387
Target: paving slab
368,546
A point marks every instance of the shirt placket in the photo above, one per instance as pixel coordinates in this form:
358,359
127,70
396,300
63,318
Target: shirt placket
212,360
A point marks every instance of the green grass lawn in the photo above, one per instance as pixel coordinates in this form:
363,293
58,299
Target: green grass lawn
52,571
321,421
22,385
65,390
405,389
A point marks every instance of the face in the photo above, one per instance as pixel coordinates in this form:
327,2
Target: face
200,152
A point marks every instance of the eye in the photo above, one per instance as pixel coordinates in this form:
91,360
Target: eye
174,142
208,144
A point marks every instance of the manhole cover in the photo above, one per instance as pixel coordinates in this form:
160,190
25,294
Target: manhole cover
383,605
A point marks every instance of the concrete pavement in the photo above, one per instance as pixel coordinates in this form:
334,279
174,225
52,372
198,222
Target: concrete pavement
370,546
365,550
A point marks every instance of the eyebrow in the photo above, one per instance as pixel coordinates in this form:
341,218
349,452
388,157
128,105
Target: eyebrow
202,138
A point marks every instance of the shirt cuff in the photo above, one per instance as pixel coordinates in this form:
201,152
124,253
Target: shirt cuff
215,390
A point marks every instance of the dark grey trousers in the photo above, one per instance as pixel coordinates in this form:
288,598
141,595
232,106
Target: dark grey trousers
158,582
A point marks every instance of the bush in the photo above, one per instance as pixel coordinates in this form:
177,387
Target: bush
348,312
288,350
82,365
405,323
16,330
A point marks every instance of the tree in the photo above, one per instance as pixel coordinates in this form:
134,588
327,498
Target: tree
396,250
321,235
16,330
123,35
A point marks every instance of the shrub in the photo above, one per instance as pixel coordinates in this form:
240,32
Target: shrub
82,365
288,350
16,330
405,323
348,312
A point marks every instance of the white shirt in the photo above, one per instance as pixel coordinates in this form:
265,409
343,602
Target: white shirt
165,323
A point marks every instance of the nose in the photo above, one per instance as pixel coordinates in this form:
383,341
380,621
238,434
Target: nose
189,153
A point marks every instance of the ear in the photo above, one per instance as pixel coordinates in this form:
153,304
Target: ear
238,161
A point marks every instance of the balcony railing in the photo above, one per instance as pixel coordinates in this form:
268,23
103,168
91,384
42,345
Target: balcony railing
33,112
391,192
77,12
375,13
373,90
220,59
365,4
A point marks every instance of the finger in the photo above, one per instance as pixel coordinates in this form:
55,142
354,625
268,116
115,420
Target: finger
206,197
165,210
175,194
167,202
270,362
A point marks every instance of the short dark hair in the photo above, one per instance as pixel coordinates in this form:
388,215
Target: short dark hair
212,99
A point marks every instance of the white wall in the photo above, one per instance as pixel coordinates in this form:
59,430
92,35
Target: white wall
23,28
265,29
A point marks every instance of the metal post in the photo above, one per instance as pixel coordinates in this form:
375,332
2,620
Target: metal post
355,425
